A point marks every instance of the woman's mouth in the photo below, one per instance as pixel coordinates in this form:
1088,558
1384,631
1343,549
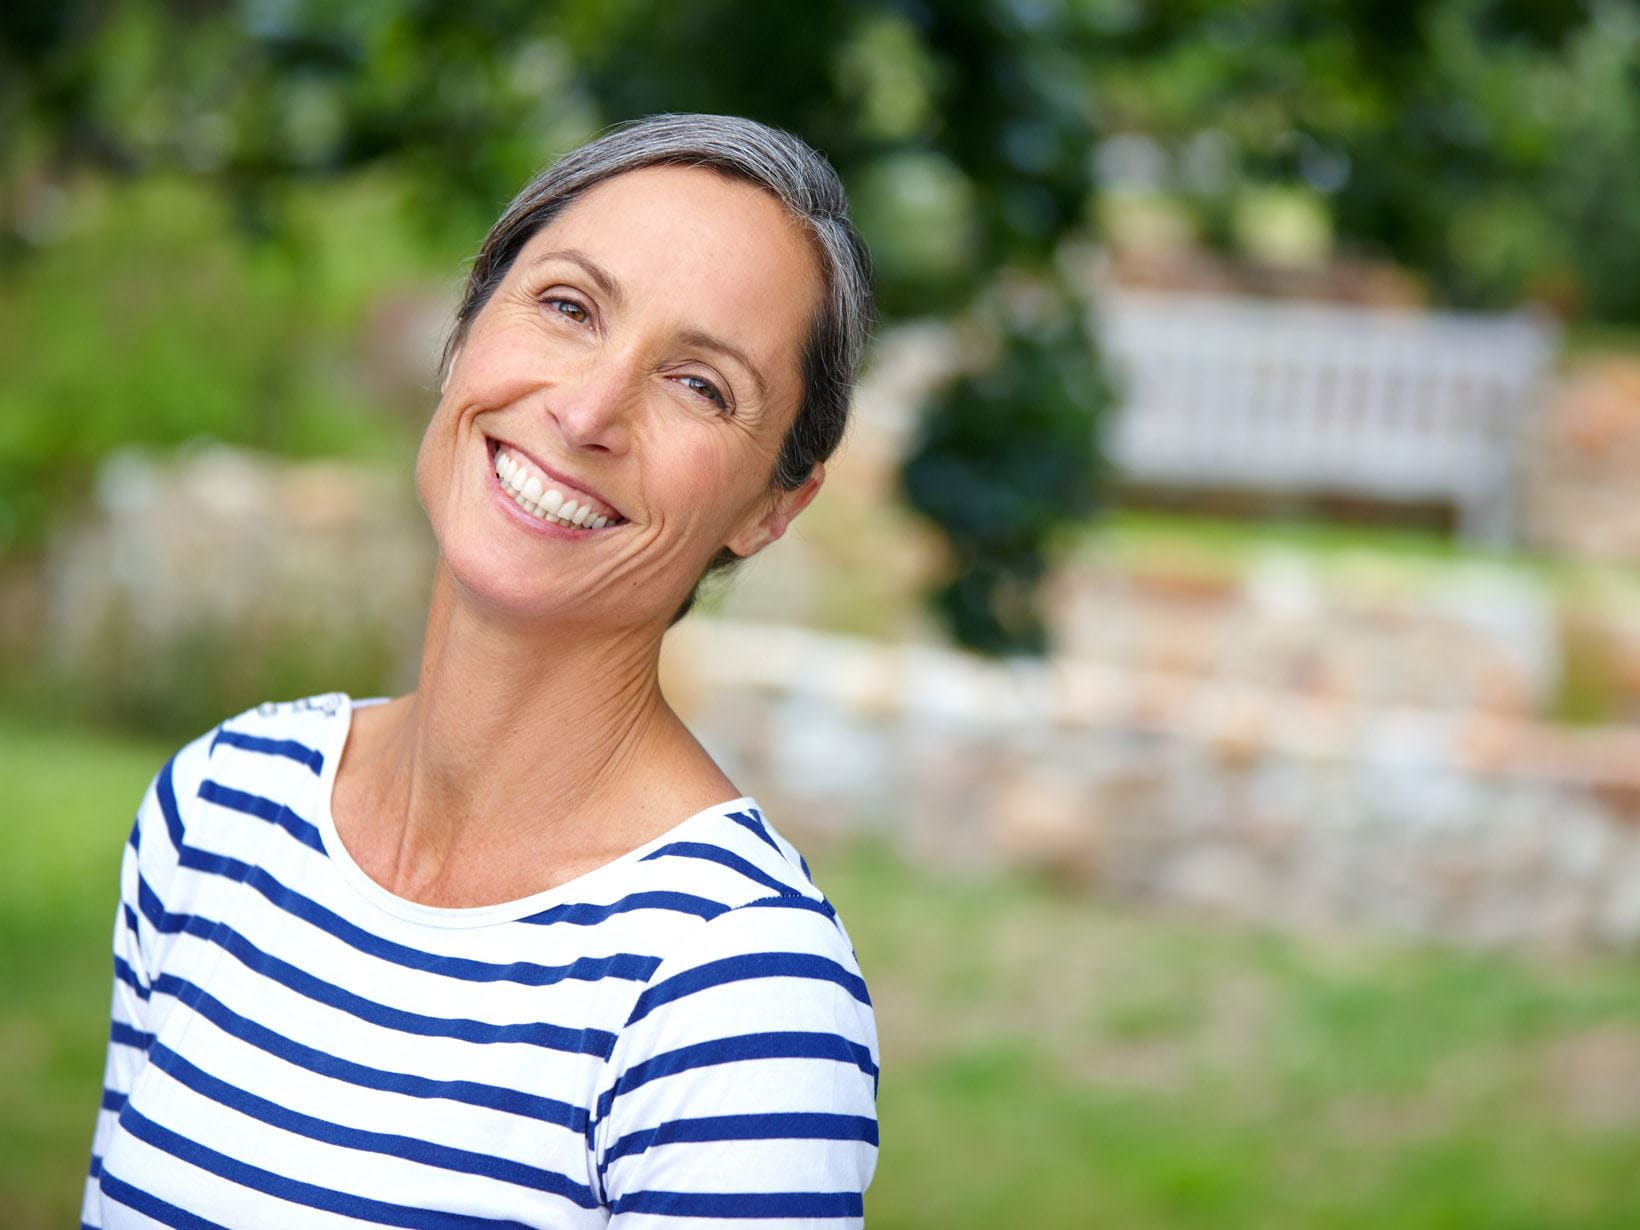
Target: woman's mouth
549,499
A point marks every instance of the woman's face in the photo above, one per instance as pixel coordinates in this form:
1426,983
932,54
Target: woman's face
640,362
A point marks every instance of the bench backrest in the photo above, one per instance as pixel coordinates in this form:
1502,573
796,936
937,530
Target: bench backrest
1310,397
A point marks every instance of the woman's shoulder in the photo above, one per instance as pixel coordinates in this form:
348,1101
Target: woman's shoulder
768,981
753,891
272,737
323,711
733,855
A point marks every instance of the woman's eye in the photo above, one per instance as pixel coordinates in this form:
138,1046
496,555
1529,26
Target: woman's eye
570,309
706,389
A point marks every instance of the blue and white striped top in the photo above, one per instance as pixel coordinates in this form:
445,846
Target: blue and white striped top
681,1037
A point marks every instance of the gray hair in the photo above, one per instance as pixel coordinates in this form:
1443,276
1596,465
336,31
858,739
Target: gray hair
742,149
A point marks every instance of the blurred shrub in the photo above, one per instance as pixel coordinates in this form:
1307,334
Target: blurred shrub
148,324
1490,146
1007,459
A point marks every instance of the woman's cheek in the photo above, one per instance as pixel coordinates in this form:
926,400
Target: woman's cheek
434,441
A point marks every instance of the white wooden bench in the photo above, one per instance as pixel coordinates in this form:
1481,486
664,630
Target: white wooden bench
1295,398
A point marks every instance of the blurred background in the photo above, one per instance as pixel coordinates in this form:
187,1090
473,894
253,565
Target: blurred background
1209,684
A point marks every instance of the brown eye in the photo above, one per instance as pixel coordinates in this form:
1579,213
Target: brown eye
569,308
705,388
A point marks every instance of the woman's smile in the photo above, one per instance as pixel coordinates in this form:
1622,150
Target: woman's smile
549,499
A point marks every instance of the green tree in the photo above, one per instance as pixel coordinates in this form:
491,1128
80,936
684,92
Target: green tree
1491,146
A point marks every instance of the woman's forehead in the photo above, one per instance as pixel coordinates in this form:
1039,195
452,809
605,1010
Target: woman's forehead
693,239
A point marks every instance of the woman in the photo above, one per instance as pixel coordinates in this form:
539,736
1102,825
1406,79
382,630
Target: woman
511,949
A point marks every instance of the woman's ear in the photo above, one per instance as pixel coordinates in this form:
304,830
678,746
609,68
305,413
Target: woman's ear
772,524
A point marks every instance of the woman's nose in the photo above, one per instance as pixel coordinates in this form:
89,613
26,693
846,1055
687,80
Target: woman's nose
593,408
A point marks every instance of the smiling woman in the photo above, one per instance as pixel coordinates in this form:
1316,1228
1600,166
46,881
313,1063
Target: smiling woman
511,949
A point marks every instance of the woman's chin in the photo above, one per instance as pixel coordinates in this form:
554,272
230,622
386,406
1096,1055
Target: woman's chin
492,578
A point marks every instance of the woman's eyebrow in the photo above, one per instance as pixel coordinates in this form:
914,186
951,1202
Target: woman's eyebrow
708,341
601,277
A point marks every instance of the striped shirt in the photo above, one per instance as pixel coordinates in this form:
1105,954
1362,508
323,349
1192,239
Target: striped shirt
680,1037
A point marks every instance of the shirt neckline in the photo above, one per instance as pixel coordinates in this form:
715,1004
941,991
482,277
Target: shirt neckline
390,902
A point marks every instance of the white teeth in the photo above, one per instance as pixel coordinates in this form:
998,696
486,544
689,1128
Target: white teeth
546,503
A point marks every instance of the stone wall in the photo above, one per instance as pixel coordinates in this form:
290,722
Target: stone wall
1323,738
1580,464
1238,799
217,576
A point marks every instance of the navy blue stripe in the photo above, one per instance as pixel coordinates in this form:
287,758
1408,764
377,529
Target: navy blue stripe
533,1033
422,1152
112,1099
745,968
738,1049
742,1204
125,1035
585,914
724,858
124,973
817,905
630,966
162,1211
96,1165
293,1190
153,909
301,753
553,1037
754,822
783,1126
130,915
262,809
473,1093
165,792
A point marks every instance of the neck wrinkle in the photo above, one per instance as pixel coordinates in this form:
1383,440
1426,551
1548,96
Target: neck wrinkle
512,742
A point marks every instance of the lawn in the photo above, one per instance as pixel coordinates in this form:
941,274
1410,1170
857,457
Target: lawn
1048,1061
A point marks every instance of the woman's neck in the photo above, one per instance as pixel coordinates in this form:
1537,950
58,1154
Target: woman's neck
517,763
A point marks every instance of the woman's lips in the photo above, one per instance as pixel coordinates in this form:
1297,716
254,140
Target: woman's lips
547,495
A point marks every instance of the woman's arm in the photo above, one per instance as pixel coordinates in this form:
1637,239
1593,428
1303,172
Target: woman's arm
744,1083
128,1032
152,853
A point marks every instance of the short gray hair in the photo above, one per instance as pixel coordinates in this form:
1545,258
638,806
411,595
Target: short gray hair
742,149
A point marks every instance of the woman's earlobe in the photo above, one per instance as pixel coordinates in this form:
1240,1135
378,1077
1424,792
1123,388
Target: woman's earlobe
772,524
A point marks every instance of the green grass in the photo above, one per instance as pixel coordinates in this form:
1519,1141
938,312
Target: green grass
1048,1061
1056,1062
70,799
1226,545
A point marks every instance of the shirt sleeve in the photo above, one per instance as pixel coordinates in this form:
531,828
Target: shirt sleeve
147,866
743,1087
